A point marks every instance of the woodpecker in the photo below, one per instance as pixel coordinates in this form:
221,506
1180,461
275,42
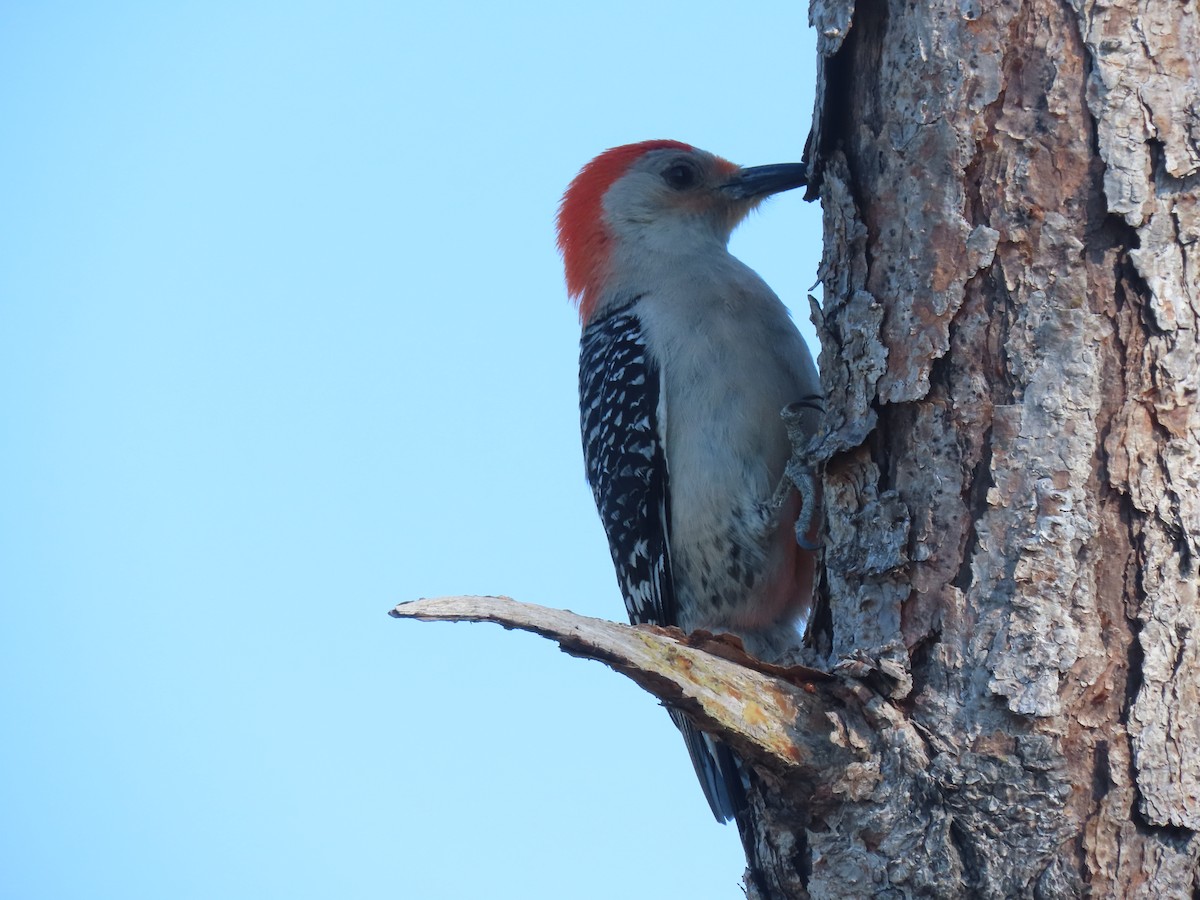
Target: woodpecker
686,359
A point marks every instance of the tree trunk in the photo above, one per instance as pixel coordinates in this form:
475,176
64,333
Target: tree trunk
1012,494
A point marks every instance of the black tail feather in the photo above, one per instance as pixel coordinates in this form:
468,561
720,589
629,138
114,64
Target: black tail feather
718,768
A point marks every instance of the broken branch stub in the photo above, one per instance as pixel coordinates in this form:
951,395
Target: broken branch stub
776,717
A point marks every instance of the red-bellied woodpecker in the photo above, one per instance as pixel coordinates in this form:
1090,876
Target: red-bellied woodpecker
686,359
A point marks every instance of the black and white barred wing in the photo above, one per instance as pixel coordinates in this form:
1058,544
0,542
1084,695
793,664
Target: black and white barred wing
622,424
626,467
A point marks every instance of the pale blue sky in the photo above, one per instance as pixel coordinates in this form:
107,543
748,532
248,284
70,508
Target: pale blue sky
283,342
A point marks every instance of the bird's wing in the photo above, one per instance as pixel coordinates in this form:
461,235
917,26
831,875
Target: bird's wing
621,421
623,418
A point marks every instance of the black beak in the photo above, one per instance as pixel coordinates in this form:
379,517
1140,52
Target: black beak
762,181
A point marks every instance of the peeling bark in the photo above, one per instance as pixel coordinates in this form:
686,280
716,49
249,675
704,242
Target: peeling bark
1009,332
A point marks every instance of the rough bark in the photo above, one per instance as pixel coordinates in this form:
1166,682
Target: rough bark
1011,456
1009,340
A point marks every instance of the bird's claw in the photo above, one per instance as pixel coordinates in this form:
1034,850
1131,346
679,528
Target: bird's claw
802,420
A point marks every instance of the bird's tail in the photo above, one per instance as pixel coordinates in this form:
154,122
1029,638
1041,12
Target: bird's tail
720,771
726,780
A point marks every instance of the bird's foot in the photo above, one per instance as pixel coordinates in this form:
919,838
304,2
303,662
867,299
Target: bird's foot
802,420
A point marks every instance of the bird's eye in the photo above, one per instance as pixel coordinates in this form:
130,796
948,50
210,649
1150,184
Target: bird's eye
680,176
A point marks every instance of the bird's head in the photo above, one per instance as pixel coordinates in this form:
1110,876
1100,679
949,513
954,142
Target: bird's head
658,198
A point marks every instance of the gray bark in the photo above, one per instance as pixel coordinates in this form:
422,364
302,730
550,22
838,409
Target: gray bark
1012,291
